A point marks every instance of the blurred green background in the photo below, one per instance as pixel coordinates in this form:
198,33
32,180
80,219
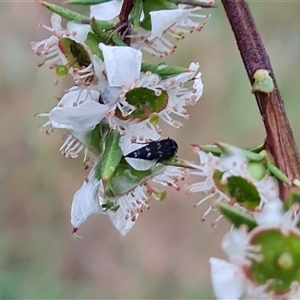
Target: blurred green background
165,255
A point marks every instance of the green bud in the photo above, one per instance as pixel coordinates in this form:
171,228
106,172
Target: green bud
62,71
263,82
162,196
257,170
154,119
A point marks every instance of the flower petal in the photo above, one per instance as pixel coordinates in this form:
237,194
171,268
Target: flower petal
225,281
56,22
120,221
123,64
83,117
106,11
81,31
85,203
164,19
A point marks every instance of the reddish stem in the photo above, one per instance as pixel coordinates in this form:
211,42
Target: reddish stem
279,141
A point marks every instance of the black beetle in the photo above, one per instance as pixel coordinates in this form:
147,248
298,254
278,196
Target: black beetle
161,149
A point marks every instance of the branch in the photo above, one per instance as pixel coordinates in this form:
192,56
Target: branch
279,141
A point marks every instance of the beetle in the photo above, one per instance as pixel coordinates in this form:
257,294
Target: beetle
161,149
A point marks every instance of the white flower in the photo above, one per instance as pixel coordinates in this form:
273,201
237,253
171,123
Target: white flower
131,205
235,163
226,279
89,199
51,48
123,64
54,51
234,279
273,215
231,163
167,25
230,282
125,74
86,201
206,184
78,111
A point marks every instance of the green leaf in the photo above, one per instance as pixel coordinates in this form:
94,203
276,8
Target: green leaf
93,42
145,101
111,157
136,13
236,216
127,178
87,2
243,191
164,70
109,205
75,53
124,179
95,138
100,27
67,13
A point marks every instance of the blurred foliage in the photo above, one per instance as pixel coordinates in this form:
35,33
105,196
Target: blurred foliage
166,254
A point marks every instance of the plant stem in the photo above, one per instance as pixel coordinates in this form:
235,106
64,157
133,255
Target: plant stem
124,26
279,141
125,10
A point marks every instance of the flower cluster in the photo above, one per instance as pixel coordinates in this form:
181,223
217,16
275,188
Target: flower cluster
113,112
117,102
264,262
263,245
223,176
